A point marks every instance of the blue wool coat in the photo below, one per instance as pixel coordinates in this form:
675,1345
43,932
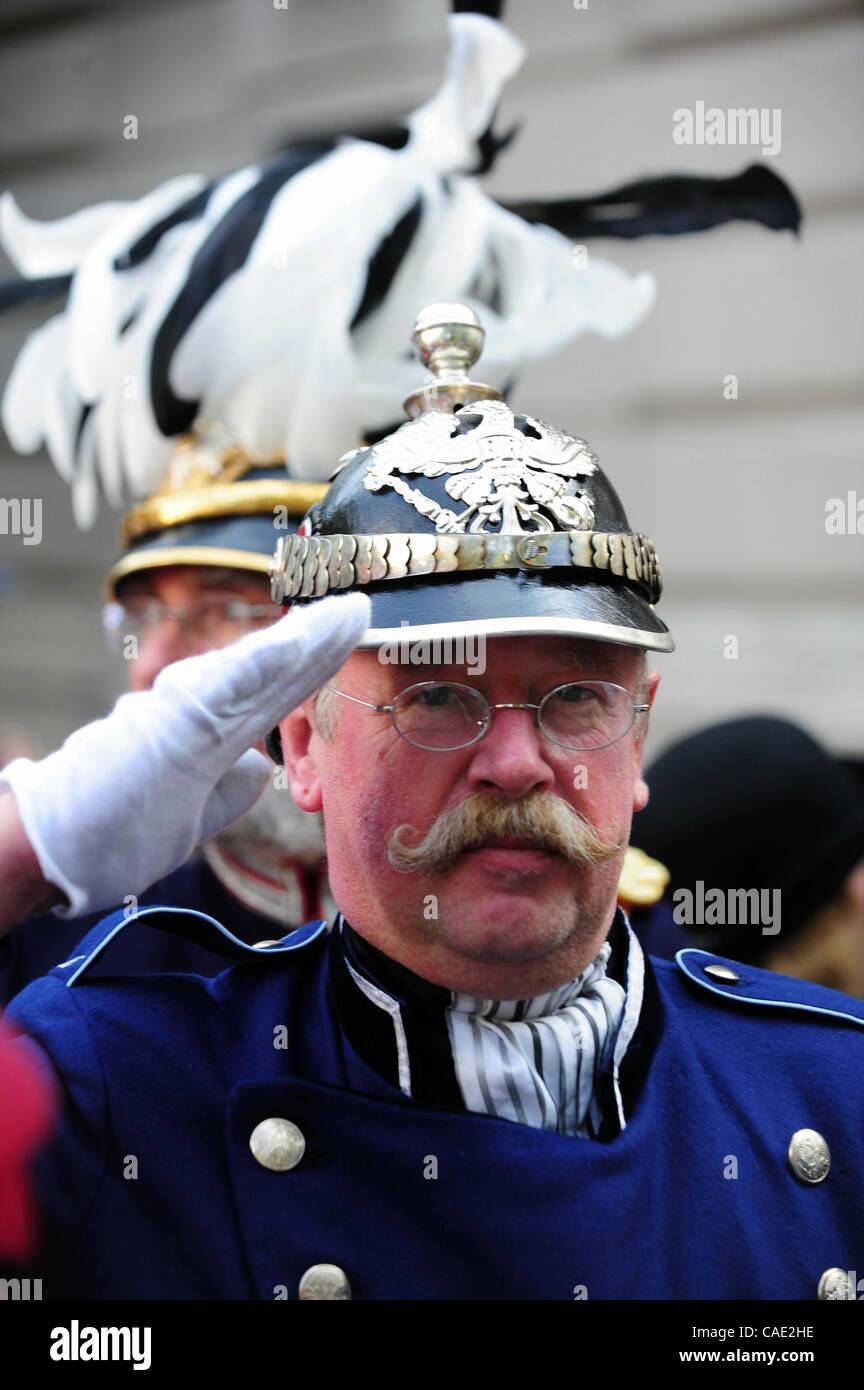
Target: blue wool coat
151,1190
33,947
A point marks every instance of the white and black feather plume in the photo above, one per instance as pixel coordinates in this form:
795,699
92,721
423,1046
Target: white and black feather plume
278,300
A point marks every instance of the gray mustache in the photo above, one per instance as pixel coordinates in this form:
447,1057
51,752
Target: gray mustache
544,820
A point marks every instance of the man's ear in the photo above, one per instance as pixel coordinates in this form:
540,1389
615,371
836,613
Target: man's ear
296,735
853,889
652,681
640,786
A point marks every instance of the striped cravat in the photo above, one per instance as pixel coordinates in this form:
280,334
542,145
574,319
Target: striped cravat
537,1061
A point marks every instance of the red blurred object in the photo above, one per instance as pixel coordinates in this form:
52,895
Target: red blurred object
28,1105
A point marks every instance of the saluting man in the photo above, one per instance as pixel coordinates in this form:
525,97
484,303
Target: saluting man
235,306
474,1084
191,578
261,317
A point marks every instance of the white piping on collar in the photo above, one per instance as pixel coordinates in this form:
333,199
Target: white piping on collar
393,1008
634,989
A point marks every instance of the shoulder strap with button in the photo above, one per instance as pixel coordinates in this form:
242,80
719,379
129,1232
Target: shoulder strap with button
747,984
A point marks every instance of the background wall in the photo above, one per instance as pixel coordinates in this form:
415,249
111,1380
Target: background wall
733,492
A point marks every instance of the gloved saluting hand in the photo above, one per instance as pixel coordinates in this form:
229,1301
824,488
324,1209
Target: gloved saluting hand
126,799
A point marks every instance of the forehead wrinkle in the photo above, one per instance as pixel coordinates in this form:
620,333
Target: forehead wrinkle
591,659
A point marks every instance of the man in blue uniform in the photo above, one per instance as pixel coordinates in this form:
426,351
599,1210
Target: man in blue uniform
475,1084
191,577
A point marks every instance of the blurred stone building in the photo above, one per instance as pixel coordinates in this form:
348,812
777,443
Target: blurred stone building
733,491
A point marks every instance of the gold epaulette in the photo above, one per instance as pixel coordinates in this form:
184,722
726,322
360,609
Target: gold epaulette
643,879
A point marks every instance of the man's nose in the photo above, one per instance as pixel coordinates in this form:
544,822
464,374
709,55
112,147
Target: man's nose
158,648
509,759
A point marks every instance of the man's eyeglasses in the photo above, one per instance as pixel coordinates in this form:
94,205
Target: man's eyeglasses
442,716
208,621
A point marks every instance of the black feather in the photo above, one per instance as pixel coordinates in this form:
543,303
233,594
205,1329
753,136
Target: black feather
671,205
14,293
392,137
490,145
86,408
492,8
386,260
149,240
223,253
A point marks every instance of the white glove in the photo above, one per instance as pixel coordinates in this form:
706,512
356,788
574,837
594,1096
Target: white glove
126,799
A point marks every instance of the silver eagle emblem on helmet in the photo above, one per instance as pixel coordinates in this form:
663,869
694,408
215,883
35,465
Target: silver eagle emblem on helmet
509,479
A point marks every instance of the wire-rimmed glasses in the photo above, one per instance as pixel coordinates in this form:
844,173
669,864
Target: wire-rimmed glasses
443,716
210,620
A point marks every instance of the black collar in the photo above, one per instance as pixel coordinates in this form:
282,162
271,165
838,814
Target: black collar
417,1010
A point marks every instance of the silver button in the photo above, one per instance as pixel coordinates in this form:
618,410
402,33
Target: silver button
809,1156
835,1284
325,1282
722,972
277,1144
259,945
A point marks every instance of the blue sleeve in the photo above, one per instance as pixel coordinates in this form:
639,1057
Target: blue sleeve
34,947
68,1171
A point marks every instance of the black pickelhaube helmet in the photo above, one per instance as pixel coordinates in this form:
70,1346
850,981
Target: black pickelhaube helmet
473,519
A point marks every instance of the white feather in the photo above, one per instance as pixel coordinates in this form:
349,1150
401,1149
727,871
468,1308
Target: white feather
102,298
482,58
52,248
36,373
85,491
144,469
261,309
118,390
61,408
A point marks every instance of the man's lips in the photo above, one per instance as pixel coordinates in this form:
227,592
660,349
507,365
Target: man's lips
512,843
